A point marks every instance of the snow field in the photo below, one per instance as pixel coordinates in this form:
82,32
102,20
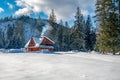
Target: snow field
80,66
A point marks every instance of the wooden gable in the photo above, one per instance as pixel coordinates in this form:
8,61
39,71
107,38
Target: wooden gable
31,43
47,41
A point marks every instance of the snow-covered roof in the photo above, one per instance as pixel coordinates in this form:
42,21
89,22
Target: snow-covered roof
48,39
26,45
38,41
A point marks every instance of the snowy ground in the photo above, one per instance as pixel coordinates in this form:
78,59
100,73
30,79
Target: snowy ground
80,66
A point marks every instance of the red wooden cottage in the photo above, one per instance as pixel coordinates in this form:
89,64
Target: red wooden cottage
38,44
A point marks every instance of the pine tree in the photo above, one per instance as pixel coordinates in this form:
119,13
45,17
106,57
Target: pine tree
9,40
88,40
60,35
118,10
67,37
66,24
52,17
19,35
108,39
1,39
77,35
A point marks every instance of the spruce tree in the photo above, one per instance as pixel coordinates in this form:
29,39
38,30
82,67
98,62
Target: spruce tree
66,37
118,10
60,35
77,35
108,39
1,39
52,17
88,36
9,39
66,24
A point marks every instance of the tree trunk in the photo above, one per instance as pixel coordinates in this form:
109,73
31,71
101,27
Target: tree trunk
113,53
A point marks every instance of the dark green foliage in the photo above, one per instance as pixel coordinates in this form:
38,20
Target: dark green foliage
107,16
90,36
15,38
93,40
88,42
77,35
9,39
60,37
2,42
60,34
52,17
66,40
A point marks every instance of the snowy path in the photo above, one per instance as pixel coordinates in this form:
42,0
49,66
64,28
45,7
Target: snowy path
81,66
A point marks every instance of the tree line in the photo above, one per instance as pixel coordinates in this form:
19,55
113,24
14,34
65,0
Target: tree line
81,36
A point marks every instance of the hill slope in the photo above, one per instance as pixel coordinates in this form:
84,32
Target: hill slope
16,32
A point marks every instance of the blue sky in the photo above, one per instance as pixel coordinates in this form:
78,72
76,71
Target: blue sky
64,9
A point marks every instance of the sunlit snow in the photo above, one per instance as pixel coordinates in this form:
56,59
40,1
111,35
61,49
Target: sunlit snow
59,66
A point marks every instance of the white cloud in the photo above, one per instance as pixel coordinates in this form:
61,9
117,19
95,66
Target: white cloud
10,5
64,9
1,10
85,12
23,11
